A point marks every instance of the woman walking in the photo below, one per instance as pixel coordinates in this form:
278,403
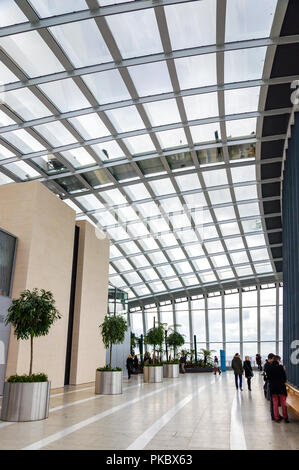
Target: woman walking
130,365
216,366
238,370
248,371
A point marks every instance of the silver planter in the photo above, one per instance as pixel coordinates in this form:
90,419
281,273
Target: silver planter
171,371
108,383
25,401
153,374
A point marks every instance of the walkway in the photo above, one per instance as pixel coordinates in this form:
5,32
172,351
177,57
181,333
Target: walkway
196,411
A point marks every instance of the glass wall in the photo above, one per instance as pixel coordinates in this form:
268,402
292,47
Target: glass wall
247,321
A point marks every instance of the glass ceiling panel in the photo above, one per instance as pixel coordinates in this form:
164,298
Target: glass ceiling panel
172,139
243,100
139,144
5,153
188,182
25,103
151,79
108,150
162,187
162,226
225,213
6,76
107,86
205,133
90,202
78,157
82,42
215,178
22,170
125,119
201,106
248,19
11,13
113,197
89,126
5,179
23,141
234,243
220,196
48,8
55,133
5,120
244,64
136,33
243,193
65,94
137,192
240,128
242,174
192,24
31,53
196,71
162,112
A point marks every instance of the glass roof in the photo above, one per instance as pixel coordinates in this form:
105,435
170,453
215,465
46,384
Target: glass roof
148,135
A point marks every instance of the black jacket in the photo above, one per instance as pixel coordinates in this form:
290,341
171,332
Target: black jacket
130,364
277,379
247,369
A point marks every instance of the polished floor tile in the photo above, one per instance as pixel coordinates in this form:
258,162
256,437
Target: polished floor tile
195,411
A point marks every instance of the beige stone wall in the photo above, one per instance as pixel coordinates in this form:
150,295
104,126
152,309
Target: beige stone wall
44,226
88,351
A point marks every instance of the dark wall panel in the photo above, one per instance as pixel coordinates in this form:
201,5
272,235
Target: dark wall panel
290,203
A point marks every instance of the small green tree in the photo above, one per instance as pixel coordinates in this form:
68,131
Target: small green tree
175,340
32,315
207,355
155,337
113,331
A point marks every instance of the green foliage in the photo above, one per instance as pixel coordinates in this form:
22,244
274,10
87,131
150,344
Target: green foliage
207,354
109,369
113,331
155,336
28,378
32,314
175,339
173,361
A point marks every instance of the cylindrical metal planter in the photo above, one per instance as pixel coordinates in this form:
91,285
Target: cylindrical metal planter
108,383
171,371
153,374
25,401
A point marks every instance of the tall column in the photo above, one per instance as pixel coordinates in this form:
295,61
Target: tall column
91,298
44,226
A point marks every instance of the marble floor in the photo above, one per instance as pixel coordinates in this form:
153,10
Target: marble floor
195,411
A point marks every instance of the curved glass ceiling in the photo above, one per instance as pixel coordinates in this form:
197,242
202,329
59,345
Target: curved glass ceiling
143,118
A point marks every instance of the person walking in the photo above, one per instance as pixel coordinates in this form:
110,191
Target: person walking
183,360
267,383
135,363
238,370
216,366
258,361
130,365
248,371
277,380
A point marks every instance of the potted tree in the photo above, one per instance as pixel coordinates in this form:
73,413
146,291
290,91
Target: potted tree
108,379
26,397
171,367
154,337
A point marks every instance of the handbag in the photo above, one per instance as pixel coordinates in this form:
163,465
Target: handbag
252,374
